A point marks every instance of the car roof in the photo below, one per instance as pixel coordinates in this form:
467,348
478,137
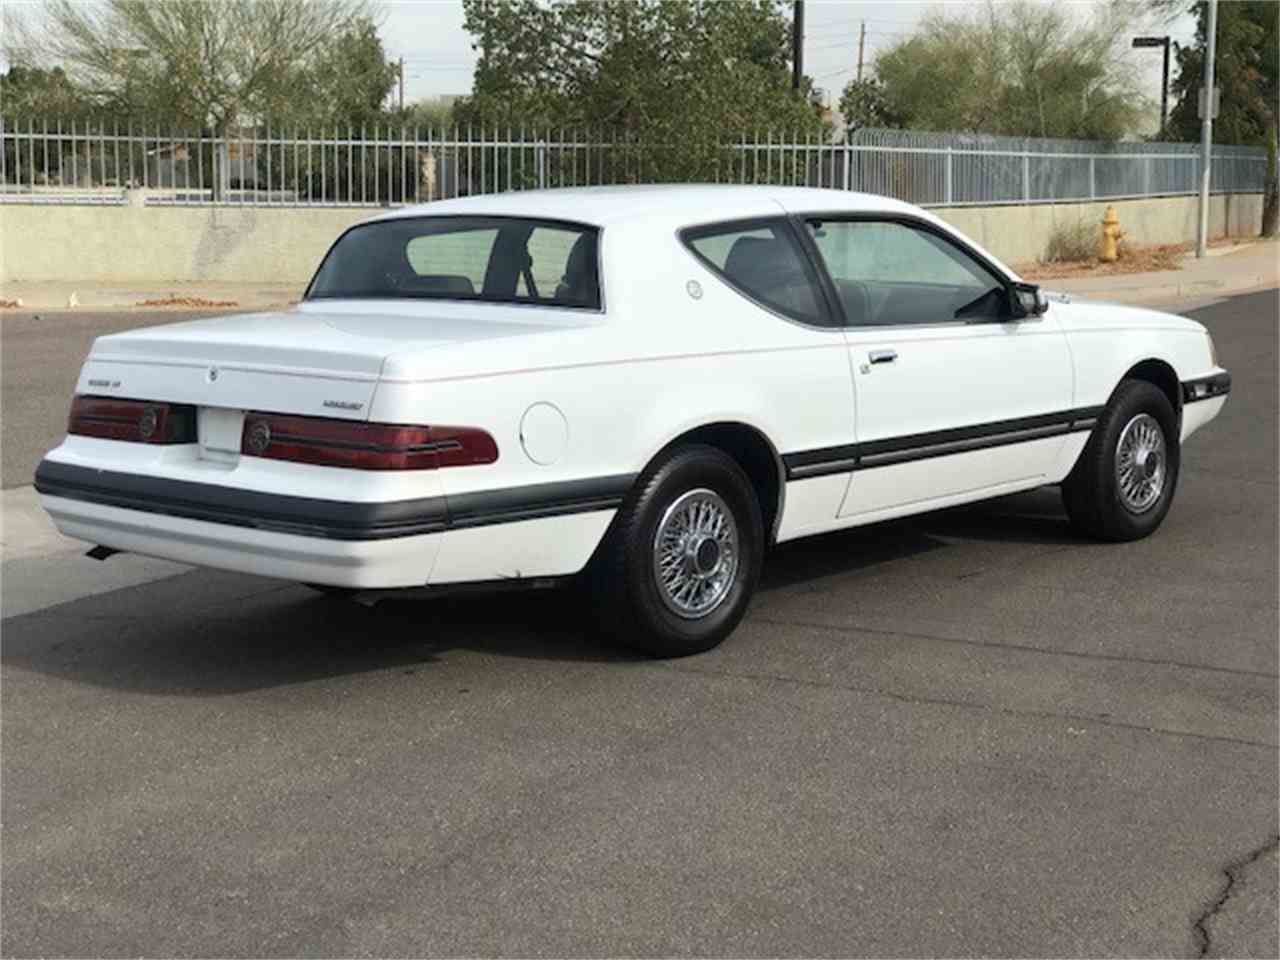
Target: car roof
691,203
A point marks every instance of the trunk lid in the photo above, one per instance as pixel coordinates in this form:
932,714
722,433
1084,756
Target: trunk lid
321,359
286,362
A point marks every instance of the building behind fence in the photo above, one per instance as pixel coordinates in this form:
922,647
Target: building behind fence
85,163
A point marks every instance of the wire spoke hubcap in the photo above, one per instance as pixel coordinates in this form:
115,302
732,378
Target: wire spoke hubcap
695,554
1140,463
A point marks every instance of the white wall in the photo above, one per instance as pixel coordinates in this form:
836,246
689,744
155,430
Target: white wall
136,244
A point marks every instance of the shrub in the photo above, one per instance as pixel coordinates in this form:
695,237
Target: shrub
1070,242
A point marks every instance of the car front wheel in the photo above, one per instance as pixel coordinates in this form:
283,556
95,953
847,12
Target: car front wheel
1123,484
676,573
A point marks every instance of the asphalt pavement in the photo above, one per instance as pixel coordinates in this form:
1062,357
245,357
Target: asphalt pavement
960,734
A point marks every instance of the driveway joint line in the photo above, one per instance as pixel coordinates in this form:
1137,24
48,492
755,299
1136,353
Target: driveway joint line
970,705
1026,648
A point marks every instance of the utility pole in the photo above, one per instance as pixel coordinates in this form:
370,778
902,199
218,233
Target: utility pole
1164,92
1164,80
862,38
1206,132
797,45
402,83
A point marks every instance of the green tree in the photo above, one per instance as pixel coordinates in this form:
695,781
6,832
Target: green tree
33,92
864,104
683,76
189,62
1247,69
347,82
1016,69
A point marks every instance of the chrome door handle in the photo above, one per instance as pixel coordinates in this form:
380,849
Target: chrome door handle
882,356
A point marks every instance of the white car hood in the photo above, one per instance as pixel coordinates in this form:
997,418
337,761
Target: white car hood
1077,314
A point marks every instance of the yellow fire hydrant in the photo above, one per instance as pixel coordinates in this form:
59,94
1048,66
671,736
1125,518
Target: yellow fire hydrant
1111,234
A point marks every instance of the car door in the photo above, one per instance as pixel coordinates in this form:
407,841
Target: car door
955,400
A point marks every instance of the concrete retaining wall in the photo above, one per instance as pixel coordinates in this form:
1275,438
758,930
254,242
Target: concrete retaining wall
1019,234
136,244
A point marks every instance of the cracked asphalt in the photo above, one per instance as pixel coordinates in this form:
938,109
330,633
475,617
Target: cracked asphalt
968,733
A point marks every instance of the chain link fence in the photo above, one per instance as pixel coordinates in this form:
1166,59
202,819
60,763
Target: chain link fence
98,163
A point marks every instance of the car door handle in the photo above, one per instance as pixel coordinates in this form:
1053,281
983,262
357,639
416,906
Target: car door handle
882,356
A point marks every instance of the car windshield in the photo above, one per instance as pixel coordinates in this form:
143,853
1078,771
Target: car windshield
496,259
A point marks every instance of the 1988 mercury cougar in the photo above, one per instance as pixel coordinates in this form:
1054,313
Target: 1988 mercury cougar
646,385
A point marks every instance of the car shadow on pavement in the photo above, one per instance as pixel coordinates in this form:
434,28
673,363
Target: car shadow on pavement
208,633
1035,516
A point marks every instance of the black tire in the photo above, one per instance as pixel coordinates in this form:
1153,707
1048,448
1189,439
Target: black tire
1092,493
626,592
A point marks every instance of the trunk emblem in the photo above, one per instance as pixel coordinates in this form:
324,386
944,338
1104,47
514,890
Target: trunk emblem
212,375
259,437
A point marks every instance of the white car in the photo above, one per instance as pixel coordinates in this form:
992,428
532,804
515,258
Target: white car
648,385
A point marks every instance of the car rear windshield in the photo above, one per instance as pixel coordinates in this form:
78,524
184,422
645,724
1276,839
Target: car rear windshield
496,259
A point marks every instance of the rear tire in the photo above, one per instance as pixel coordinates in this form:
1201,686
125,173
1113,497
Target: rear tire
676,572
1123,484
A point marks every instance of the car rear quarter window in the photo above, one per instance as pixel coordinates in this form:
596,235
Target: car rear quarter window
762,261
497,259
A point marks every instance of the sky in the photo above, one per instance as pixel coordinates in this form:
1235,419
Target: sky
439,59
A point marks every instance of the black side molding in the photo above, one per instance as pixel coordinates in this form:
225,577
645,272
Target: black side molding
938,443
1206,388
328,519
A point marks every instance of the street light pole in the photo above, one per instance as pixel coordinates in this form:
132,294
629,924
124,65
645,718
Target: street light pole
1206,133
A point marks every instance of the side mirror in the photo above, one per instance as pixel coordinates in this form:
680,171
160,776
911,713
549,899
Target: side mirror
1028,301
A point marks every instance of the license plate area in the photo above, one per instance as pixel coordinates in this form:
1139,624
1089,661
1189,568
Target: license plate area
219,432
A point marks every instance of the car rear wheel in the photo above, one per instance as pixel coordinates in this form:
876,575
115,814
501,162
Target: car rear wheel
1123,484
676,572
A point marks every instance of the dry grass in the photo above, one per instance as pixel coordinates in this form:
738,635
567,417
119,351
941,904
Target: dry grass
1132,259
9,304
186,302
1071,243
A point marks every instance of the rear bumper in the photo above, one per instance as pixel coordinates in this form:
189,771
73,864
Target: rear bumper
232,506
546,529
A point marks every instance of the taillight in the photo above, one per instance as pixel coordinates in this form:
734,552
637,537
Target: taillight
364,446
138,421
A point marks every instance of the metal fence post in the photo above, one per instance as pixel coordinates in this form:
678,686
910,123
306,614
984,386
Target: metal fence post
948,191
1093,183
542,164
1026,175
848,165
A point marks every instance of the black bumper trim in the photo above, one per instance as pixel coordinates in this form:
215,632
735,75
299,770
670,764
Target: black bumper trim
327,519
1206,388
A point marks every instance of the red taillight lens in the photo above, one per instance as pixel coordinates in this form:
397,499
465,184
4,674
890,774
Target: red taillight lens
137,421
364,446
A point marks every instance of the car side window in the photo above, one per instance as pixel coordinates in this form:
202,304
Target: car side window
763,261
888,273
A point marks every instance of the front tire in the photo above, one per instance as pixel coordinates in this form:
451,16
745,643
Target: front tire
1123,484
682,559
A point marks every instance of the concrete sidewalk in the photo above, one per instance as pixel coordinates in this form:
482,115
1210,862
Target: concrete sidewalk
57,297
1226,271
